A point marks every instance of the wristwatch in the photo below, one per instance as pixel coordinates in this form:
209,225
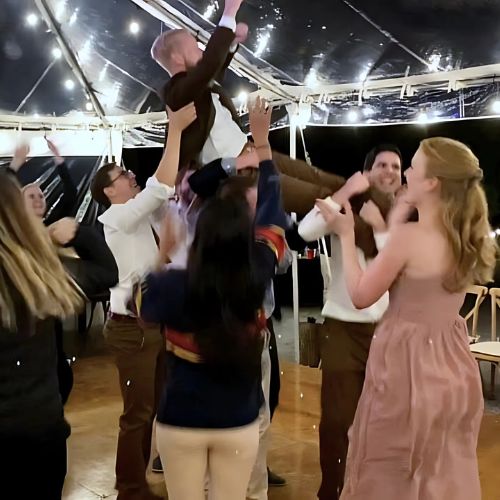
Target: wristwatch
229,166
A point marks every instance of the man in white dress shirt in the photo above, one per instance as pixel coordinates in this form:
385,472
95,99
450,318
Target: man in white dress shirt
347,332
128,228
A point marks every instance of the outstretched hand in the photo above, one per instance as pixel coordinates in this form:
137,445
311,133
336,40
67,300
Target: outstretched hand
21,153
260,121
183,117
337,222
54,150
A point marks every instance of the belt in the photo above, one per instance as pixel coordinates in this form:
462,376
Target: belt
121,317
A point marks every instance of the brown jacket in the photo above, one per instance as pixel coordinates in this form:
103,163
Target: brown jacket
197,84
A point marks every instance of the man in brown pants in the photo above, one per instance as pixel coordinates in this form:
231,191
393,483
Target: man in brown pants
347,332
130,222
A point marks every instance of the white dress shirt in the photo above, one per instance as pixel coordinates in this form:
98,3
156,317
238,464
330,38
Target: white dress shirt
338,304
129,235
226,139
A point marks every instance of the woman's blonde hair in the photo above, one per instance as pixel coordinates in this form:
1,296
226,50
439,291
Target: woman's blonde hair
465,211
29,266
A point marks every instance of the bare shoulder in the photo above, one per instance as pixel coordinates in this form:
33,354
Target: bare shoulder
405,232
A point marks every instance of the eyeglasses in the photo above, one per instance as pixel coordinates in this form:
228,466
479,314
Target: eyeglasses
122,173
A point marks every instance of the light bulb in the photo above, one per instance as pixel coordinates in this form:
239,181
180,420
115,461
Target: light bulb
353,116
56,53
32,19
88,106
134,27
495,106
69,84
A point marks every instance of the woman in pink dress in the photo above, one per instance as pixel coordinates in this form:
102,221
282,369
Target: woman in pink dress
415,432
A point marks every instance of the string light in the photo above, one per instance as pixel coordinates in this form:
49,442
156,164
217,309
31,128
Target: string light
134,27
32,20
56,53
210,10
434,62
88,106
73,18
69,84
353,116
242,97
423,117
262,43
495,106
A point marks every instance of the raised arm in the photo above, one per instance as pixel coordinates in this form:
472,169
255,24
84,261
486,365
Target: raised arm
197,79
166,172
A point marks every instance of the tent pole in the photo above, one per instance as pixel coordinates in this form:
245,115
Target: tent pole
70,57
292,111
37,83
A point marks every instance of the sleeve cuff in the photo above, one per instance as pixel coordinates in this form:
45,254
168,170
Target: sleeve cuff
228,22
154,182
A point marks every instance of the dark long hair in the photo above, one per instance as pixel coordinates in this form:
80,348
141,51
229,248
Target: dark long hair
223,290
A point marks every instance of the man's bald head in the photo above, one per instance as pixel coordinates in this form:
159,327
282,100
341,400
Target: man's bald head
176,51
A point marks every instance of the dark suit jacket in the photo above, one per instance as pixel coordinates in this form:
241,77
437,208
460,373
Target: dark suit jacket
197,84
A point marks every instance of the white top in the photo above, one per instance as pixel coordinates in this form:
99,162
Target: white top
226,139
338,304
129,235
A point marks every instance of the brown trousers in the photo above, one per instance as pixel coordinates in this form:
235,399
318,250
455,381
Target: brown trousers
344,351
302,184
140,358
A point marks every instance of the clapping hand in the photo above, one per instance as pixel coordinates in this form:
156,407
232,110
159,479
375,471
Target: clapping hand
370,213
337,222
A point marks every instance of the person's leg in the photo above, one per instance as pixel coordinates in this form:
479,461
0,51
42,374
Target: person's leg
184,454
257,487
136,352
275,383
64,370
344,352
302,184
231,458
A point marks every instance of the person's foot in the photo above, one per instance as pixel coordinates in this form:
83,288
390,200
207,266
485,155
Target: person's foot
274,480
157,465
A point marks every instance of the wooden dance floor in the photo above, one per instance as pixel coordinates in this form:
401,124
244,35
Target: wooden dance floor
95,405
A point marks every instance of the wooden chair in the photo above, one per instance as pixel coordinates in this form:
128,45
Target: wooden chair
480,292
490,351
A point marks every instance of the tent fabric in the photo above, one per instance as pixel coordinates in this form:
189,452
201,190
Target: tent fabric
302,45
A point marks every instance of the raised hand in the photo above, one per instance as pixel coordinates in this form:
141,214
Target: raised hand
21,153
54,150
260,121
241,33
337,222
183,117
370,213
401,210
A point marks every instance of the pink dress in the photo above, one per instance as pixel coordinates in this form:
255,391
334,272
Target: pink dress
416,427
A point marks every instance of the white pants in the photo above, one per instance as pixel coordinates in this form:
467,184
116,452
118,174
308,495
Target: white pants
224,456
257,488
